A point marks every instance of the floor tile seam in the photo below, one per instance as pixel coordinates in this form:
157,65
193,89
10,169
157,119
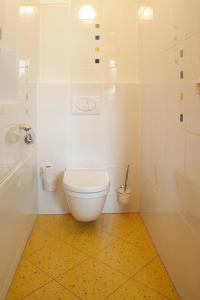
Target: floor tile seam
145,266
129,278
106,227
110,233
97,251
83,252
61,241
107,246
132,243
129,243
150,262
153,289
67,289
41,270
42,231
51,276
110,267
47,232
167,273
35,290
33,252
148,248
98,229
118,288
117,239
70,269
150,237
135,230
125,280
99,261
42,222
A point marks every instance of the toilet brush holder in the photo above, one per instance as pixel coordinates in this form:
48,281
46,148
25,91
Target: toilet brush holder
124,196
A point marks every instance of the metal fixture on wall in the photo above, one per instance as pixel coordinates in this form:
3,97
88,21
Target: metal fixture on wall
28,139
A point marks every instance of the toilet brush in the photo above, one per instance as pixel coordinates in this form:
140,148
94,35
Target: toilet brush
126,180
124,194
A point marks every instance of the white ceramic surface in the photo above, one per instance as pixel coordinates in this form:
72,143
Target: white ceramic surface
86,191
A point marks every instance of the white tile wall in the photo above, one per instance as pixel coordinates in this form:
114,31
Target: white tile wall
170,149
111,138
18,192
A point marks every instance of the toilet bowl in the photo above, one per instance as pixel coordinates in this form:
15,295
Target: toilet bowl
86,191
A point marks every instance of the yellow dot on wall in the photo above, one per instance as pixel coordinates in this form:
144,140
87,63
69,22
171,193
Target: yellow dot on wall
97,25
181,53
181,96
97,49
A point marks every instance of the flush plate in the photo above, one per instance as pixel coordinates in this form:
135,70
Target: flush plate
86,105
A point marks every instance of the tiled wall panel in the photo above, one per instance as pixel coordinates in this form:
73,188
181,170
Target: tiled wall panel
169,70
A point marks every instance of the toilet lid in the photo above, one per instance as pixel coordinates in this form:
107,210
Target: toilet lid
86,181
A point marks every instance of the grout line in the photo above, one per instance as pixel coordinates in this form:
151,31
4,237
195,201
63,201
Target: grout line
67,289
61,274
24,297
92,256
150,261
158,254
150,237
110,267
53,280
51,276
166,271
153,289
129,278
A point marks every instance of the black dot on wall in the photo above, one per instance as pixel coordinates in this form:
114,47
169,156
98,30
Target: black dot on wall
181,75
97,37
97,61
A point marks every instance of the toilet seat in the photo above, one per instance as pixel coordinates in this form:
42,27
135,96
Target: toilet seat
86,180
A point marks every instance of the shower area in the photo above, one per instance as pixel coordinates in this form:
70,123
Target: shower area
106,85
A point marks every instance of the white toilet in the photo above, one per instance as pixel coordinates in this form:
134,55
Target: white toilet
86,191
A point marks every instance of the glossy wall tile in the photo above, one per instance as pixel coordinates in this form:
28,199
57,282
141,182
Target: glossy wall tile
18,183
82,57
169,71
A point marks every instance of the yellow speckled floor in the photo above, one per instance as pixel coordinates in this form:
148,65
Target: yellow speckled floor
112,258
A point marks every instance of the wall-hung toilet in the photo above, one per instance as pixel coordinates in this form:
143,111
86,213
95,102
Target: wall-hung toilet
86,191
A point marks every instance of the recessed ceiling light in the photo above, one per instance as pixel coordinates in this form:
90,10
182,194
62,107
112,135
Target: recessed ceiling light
145,13
87,13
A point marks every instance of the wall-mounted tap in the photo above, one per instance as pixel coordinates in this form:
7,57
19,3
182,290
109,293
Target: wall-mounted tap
28,139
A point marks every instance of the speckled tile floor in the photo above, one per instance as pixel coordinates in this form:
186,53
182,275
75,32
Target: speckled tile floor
112,258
